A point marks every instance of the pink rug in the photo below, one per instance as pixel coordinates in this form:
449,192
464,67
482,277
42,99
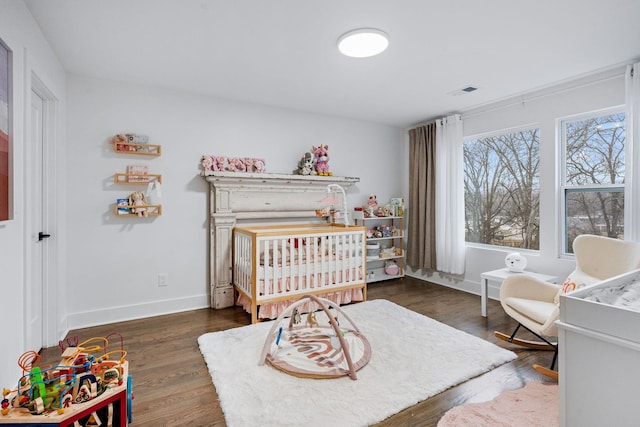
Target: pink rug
536,404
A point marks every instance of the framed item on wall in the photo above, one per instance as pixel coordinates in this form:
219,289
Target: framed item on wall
6,210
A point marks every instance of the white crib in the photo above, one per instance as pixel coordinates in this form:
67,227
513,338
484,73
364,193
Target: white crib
275,265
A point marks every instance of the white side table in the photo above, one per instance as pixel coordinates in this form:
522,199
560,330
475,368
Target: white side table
499,275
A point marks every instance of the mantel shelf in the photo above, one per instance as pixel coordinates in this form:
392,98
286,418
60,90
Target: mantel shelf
242,179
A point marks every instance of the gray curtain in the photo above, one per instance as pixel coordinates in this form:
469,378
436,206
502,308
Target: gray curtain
421,228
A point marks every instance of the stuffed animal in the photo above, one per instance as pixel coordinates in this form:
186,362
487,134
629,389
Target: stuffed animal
384,211
371,208
311,320
305,165
324,212
321,155
391,268
138,203
372,202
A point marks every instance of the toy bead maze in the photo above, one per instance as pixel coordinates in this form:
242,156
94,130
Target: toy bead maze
90,386
314,350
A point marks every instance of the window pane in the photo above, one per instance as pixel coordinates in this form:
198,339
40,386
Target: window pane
502,189
594,176
595,150
594,212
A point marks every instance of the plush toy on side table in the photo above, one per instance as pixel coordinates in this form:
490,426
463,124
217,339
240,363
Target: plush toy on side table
138,203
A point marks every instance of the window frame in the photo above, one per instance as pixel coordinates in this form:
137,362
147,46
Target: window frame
563,189
526,127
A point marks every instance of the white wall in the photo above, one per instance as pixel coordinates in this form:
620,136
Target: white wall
114,262
542,109
31,54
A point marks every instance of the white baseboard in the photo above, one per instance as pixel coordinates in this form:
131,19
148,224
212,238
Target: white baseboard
461,285
124,313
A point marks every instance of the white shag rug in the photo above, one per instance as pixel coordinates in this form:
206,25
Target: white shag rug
413,358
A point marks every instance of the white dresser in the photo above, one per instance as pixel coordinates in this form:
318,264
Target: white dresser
599,360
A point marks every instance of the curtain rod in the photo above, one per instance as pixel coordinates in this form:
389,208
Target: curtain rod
524,98
618,70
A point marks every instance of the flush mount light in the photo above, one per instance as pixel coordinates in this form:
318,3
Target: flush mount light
363,42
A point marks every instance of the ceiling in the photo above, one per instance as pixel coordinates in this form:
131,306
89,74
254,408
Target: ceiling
283,52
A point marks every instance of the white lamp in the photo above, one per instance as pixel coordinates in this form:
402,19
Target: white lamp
515,262
363,42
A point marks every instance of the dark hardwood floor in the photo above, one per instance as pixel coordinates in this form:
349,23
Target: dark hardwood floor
172,387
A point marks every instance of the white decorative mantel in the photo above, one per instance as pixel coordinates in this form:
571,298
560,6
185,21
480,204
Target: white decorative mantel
254,198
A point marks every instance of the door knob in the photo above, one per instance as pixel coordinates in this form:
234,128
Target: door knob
42,236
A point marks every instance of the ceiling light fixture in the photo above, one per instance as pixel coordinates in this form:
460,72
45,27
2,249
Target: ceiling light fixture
363,43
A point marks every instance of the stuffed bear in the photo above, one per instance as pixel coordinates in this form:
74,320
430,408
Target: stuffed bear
138,203
384,211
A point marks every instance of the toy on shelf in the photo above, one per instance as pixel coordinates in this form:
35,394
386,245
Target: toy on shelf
87,372
384,211
306,165
369,210
138,203
397,204
391,268
321,156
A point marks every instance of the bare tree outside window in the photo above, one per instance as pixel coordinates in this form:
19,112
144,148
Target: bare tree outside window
502,203
594,171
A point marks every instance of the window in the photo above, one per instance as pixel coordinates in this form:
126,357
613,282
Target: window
593,168
502,186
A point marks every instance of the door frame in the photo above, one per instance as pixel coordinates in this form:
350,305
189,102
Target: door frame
50,250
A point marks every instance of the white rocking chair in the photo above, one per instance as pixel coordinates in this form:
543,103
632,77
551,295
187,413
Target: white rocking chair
534,303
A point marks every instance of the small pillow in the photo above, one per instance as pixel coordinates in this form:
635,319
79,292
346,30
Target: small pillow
576,281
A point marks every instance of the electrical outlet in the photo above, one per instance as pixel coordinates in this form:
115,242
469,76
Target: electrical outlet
163,280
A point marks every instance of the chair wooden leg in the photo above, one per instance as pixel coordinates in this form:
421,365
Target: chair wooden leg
535,345
546,371
545,345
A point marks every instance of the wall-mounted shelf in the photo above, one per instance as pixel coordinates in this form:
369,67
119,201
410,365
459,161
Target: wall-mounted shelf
142,149
152,210
130,178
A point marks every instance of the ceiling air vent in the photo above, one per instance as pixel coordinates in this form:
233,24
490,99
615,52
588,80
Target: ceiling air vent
463,91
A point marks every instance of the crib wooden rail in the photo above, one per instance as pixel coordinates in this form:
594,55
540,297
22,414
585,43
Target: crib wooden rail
279,263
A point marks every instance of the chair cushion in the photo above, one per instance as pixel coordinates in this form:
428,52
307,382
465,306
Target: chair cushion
533,309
